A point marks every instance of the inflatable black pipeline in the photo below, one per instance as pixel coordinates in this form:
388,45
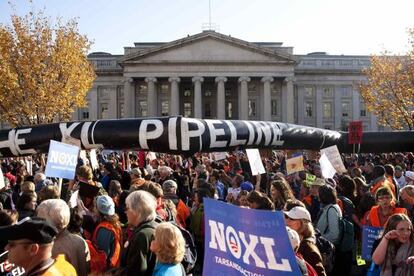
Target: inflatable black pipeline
187,135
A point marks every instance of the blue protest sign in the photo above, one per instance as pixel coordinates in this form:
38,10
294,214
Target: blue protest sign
61,160
369,235
241,241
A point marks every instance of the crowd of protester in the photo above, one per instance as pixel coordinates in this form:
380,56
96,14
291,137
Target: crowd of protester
143,214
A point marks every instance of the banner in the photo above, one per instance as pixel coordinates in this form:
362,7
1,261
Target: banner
327,170
62,160
294,164
369,236
241,241
7,268
255,161
188,135
355,132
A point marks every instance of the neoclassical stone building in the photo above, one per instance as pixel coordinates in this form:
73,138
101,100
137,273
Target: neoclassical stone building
211,75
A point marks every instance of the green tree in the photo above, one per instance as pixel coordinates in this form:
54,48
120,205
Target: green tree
44,71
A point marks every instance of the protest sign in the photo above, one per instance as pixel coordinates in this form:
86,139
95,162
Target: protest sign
294,164
219,155
255,161
62,160
1,180
355,132
94,159
241,241
310,178
327,170
7,268
82,155
332,153
369,235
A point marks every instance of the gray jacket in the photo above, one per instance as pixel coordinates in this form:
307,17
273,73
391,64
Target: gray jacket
328,222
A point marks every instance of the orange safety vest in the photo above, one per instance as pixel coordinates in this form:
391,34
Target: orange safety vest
307,200
182,213
384,183
116,256
374,216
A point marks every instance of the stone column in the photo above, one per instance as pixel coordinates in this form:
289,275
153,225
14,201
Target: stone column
113,103
197,97
288,106
355,105
319,107
266,99
221,97
129,98
338,108
152,97
244,98
301,105
175,96
93,104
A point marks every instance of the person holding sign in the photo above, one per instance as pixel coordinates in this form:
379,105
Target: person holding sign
395,252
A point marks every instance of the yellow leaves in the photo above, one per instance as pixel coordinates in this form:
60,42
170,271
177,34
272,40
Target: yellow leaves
44,71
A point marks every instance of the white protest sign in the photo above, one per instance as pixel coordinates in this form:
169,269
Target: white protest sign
219,155
328,171
255,161
294,164
1,180
332,153
82,155
151,155
94,159
73,201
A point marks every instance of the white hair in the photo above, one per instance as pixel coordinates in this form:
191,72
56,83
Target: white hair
56,211
39,177
143,204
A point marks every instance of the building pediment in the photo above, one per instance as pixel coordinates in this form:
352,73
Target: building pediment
208,47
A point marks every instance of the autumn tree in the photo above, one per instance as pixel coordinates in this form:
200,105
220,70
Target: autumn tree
389,90
44,71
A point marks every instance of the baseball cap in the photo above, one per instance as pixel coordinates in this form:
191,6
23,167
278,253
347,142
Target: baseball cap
247,186
318,182
298,212
409,174
35,229
105,205
398,168
168,185
293,238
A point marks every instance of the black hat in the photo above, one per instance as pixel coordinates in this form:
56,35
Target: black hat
35,229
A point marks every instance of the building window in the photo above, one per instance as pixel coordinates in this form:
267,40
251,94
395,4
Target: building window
164,88
275,89
309,92
121,110
207,110
251,87
274,107
104,111
345,91
208,93
142,88
227,92
229,110
84,113
142,108
187,109
187,93
309,109
362,110
327,110
252,108
164,108
345,109
327,127
328,92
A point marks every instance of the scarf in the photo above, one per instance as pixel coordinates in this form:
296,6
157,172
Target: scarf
402,268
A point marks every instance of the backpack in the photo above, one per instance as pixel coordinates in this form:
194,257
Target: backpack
98,258
190,253
345,242
327,250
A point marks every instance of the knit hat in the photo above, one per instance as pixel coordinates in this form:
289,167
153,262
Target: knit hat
105,205
293,238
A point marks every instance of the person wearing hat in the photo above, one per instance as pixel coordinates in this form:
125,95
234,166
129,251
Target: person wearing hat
294,242
409,177
312,201
108,234
30,244
169,188
299,219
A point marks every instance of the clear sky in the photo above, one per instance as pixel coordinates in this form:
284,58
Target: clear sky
358,27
